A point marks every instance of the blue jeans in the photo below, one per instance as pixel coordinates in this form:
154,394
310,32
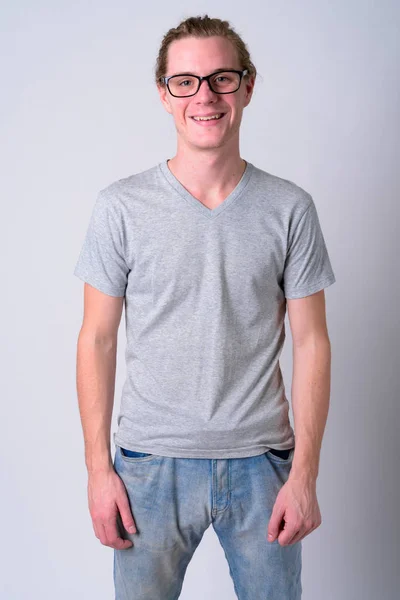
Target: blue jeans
174,500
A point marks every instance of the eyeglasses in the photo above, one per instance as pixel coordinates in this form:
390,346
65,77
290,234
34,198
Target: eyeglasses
220,82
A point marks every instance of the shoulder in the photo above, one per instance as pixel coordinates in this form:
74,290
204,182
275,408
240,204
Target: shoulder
119,194
283,195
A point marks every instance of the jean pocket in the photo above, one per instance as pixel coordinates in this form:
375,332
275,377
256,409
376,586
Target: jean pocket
133,455
281,456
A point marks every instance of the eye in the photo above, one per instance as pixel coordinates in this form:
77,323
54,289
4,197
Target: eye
222,77
185,81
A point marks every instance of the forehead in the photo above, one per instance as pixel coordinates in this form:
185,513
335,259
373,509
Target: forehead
201,56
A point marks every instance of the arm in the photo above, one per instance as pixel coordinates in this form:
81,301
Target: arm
96,363
310,382
297,503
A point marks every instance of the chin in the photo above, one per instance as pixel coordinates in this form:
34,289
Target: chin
206,145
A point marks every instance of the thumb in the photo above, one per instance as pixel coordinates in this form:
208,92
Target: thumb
274,522
126,515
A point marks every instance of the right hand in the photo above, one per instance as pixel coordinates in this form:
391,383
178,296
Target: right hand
107,496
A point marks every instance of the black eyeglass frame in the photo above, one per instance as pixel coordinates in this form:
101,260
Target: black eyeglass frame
205,78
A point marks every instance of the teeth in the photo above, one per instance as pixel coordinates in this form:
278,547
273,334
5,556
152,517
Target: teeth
217,116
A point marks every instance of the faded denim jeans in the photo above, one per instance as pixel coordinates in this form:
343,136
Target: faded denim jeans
174,500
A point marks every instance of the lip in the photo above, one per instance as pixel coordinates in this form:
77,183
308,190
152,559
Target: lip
219,112
213,122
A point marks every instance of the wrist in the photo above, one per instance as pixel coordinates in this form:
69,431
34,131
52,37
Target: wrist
97,463
305,471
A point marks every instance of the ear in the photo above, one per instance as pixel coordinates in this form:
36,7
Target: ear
249,89
164,97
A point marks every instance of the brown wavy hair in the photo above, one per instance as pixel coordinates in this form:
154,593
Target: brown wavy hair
203,27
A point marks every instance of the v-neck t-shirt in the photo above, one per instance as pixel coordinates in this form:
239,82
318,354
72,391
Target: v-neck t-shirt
205,301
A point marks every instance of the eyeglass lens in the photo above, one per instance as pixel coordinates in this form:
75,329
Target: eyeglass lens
185,85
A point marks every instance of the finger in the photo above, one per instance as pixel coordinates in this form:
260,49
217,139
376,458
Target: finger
301,534
98,527
102,534
126,514
95,529
275,521
288,533
113,538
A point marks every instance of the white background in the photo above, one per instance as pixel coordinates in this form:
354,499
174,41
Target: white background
79,109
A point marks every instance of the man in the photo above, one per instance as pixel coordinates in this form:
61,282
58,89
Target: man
206,251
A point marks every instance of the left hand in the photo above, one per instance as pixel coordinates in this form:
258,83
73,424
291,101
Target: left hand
297,504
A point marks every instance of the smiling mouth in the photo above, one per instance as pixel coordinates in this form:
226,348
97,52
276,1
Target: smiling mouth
207,120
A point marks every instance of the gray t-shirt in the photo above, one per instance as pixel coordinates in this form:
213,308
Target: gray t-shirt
204,307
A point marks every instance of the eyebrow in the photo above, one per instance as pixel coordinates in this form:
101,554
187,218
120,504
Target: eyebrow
216,71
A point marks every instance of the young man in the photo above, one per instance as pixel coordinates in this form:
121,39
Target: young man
206,251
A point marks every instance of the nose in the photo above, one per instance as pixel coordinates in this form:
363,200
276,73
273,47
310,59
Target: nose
205,92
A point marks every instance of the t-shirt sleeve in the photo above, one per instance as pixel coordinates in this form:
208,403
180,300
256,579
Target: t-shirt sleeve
101,261
307,266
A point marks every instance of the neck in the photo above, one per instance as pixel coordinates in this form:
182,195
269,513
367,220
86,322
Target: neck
206,176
